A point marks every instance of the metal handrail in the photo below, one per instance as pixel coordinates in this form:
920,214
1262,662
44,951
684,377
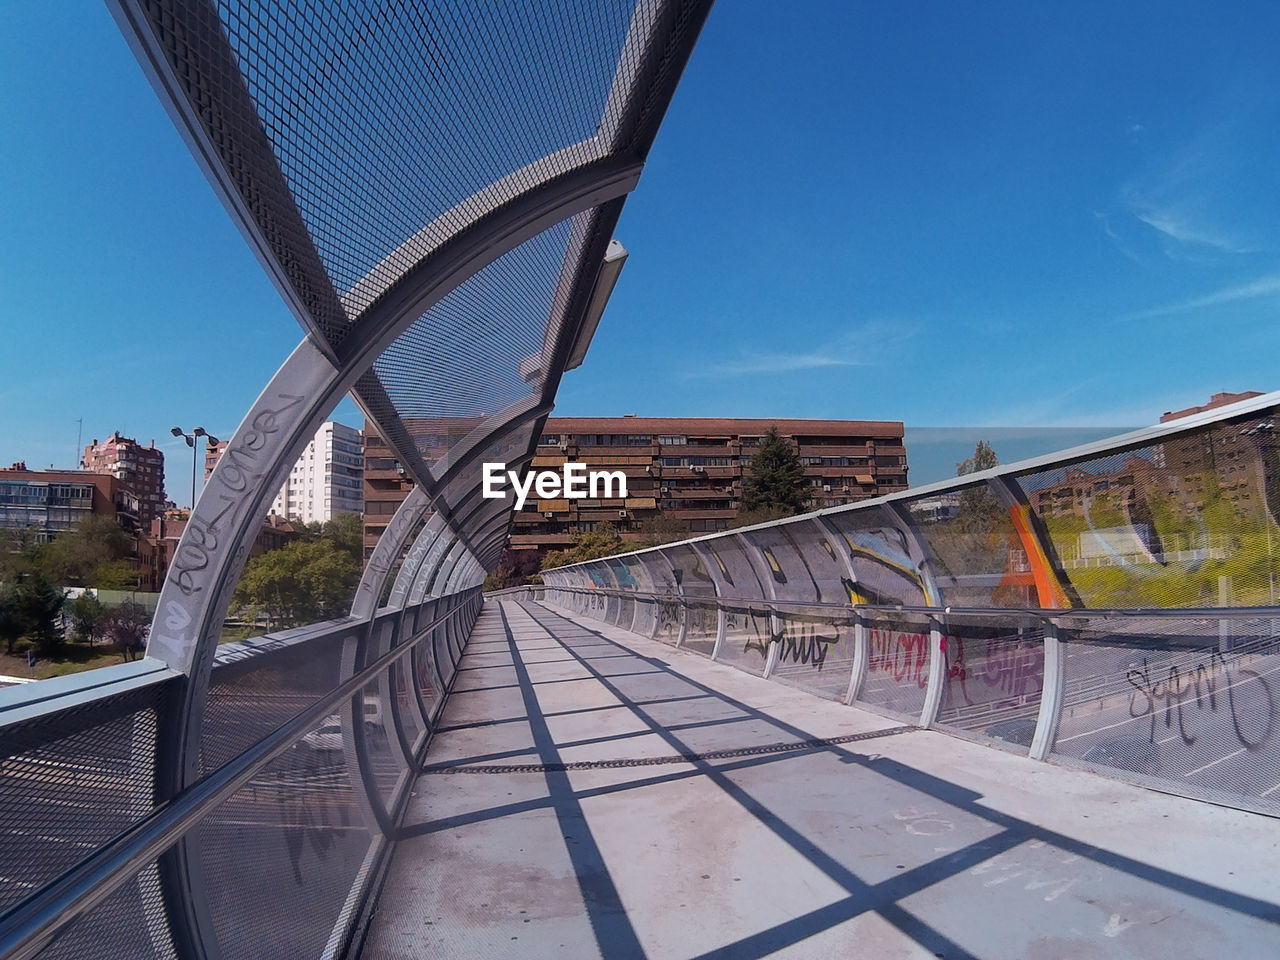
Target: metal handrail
1051,615
31,925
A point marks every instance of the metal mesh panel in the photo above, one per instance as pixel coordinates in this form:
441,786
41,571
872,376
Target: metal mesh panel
897,665
791,577
688,571
381,750
746,639
406,701
371,154
1187,522
808,567
815,651
63,796
978,558
884,572
994,680
668,615
480,348
468,479
425,679
292,838
623,614
129,923
701,628
737,575
1190,701
257,687
443,655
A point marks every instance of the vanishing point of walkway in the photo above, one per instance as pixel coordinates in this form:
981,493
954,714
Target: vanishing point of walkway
745,842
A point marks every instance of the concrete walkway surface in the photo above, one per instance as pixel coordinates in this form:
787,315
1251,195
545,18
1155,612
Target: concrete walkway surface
889,844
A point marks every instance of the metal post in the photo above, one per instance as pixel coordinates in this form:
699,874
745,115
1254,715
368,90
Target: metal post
1052,694
861,657
937,674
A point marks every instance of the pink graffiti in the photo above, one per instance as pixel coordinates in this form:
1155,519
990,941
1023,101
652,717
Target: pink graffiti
1005,669
905,655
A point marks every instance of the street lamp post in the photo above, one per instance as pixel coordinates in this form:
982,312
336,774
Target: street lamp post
191,442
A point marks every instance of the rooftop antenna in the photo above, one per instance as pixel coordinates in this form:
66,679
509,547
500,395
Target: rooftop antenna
79,436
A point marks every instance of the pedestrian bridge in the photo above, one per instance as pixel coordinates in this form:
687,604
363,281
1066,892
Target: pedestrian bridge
1029,712
592,792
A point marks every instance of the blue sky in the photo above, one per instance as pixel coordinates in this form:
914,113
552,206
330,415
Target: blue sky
1004,215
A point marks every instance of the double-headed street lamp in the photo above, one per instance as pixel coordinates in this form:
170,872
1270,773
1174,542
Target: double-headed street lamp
191,442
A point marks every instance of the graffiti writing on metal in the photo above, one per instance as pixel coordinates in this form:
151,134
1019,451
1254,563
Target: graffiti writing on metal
1206,687
668,617
803,645
1011,669
800,644
237,470
904,655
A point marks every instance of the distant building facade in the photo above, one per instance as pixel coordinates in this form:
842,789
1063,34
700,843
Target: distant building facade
51,502
326,480
157,546
690,470
1217,400
385,486
139,468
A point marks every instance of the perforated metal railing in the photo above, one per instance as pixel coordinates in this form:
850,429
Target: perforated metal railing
1115,606
311,741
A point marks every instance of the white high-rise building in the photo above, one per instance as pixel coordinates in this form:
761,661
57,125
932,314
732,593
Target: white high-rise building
327,479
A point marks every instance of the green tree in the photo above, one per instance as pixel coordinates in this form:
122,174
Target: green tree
346,532
984,458
979,511
513,570
95,550
662,529
302,582
38,603
88,616
12,622
775,482
603,541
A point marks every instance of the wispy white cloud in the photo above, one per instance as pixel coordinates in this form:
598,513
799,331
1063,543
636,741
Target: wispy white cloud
777,362
1120,243
1262,288
1184,204
862,346
1176,225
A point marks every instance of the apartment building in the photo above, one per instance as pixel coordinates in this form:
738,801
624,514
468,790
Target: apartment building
326,479
51,502
690,470
139,468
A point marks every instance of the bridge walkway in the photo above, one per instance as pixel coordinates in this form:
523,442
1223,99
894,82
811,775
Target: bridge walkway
891,843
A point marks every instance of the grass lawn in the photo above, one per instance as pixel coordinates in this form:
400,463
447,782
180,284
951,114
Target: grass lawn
71,658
